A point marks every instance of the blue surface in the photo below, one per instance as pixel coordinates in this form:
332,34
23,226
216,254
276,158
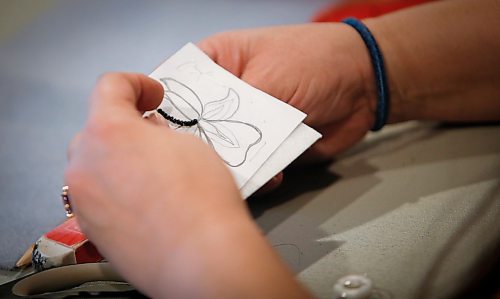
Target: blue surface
49,67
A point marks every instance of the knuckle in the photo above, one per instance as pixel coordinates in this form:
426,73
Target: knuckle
108,78
108,82
114,83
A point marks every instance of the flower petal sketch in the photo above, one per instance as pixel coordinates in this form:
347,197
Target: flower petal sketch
181,108
222,109
191,68
248,136
186,103
231,139
220,134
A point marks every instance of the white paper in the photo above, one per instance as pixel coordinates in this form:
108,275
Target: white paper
299,141
243,124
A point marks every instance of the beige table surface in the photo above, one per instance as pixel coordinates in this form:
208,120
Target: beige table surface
415,202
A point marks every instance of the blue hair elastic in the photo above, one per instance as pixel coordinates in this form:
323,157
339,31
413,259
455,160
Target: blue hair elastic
382,110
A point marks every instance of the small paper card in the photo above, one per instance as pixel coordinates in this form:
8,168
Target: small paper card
244,125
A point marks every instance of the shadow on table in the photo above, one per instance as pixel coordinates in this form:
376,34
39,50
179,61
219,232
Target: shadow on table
293,217
297,181
300,187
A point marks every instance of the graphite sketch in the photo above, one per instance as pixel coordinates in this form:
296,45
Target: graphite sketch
230,138
192,68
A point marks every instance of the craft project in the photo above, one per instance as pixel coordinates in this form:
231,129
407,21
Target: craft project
212,122
244,125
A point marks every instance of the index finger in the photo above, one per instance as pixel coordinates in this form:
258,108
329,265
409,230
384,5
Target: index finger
124,94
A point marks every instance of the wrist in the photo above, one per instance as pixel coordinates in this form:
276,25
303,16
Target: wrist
225,256
382,104
192,261
367,76
398,111
360,75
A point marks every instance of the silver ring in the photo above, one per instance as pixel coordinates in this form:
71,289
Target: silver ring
66,201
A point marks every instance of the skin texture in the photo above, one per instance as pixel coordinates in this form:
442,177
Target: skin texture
321,69
163,208
161,205
442,60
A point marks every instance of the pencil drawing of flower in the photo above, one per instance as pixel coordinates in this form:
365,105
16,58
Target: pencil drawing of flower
230,138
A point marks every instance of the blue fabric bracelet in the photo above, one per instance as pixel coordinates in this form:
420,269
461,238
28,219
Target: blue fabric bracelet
382,110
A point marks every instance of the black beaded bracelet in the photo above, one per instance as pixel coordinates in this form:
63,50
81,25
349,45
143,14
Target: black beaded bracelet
382,110
182,123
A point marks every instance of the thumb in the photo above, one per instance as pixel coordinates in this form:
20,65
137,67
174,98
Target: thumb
124,94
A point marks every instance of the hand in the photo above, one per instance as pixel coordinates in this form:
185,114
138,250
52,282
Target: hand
322,69
161,206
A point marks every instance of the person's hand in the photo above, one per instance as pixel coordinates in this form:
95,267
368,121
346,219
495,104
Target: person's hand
161,206
322,69
137,187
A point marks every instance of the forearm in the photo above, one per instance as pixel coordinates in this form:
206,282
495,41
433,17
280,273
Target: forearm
442,60
226,258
